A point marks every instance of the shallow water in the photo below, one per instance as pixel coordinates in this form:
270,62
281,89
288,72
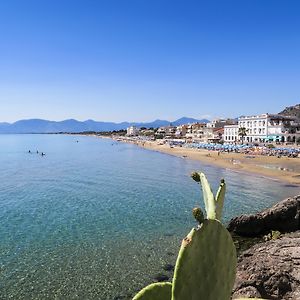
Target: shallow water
99,219
278,167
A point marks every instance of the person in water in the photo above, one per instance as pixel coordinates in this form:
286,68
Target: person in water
29,151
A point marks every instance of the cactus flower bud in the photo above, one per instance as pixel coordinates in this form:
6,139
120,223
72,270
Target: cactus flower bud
196,176
198,215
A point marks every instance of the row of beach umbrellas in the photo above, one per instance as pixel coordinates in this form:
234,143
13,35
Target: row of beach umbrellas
240,147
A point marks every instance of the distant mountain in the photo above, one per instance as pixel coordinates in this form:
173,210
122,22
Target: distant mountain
71,125
293,111
185,120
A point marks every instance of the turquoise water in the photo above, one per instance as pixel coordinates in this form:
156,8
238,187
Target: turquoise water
97,219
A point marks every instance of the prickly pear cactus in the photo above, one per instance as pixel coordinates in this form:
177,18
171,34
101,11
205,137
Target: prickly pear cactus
155,291
213,204
206,264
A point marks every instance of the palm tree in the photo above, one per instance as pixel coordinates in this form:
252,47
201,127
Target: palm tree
242,132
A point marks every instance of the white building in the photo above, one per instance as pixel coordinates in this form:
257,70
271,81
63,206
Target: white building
220,123
166,131
231,133
263,128
267,127
181,131
133,131
195,131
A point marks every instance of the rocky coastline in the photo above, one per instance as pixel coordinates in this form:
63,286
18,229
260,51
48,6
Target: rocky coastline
268,246
270,269
283,216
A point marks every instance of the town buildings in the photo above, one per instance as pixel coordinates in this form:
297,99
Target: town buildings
247,129
195,131
263,128
220,123
132,131
166,132
231,133
181,131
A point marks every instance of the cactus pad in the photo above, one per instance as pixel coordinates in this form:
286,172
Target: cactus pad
208,197
155,291
206,264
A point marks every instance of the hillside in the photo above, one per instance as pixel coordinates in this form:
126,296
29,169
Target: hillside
293,111
71,125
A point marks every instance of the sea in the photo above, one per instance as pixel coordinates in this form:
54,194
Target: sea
95,218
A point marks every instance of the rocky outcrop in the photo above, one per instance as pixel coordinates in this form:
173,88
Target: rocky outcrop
283,216
270,270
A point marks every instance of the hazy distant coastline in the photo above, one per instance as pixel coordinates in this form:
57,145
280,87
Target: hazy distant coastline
73,126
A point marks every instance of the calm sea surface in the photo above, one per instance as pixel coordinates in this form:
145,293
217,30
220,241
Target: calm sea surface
97,219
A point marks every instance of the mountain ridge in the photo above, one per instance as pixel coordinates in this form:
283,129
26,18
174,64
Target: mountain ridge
292,111
72,125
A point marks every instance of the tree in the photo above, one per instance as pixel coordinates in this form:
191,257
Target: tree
242,132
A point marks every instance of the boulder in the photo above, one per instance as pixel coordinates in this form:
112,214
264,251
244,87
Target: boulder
283,216
270,270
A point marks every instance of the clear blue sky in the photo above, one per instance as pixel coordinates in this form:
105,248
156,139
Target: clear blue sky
139,60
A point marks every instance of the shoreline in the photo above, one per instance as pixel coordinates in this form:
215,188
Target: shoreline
282,169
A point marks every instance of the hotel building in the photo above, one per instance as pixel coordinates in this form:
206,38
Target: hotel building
264,128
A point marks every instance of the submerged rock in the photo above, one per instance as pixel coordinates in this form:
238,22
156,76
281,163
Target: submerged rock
270,270
283,216
168,267
161,277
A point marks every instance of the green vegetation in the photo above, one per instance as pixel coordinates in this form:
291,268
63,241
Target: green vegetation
273,235
206,263
242,132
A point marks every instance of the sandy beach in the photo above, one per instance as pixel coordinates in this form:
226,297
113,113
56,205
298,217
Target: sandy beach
283,169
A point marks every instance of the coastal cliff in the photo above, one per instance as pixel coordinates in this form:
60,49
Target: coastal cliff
270,269
283,216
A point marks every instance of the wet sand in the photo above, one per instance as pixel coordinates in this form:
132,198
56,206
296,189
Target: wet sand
283,169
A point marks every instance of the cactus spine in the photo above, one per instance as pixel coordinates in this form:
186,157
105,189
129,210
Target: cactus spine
220,196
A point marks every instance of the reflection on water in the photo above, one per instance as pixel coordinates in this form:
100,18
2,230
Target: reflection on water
95,219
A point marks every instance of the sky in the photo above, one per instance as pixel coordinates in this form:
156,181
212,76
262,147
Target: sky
140,60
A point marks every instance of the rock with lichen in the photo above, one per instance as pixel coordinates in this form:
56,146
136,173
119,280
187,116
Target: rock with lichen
270,270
